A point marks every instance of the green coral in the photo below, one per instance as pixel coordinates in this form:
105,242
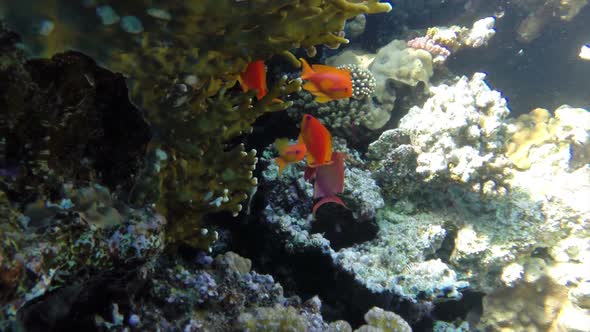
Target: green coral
384,321
182,66
277,318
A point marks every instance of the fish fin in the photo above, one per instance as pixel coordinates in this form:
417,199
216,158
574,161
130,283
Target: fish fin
261,93
317,165
322,98
306,70
311,87
300,139
309,173
243,84
327,199
325,68
281,163
281,144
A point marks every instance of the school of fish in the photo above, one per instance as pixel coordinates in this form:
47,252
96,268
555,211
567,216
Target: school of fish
314,144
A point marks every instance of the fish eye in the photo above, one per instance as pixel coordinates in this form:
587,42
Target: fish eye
308,117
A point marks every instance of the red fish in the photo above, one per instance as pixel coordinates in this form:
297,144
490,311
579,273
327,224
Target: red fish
326,83
329,181
317,140
288,153
254,78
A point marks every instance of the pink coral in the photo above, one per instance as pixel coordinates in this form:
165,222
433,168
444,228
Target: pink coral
427,44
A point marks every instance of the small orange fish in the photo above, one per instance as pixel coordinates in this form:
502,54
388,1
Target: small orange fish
326,83
317,140
254,78
288,153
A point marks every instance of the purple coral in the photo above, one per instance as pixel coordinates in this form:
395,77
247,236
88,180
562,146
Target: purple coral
206,286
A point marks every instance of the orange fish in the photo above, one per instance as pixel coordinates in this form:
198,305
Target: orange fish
317,140
326,83
254,78
288,153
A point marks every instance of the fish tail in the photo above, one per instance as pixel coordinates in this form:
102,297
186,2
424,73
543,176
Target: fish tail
243,84
328,199
281,144
281,163
306,70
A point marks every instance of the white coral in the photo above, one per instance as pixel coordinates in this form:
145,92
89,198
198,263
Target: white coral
481,32
459,130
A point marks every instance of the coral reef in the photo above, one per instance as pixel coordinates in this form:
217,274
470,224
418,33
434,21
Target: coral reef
554,172
96,187
182,296
185,90
397,259
496,214
123,169
395,262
